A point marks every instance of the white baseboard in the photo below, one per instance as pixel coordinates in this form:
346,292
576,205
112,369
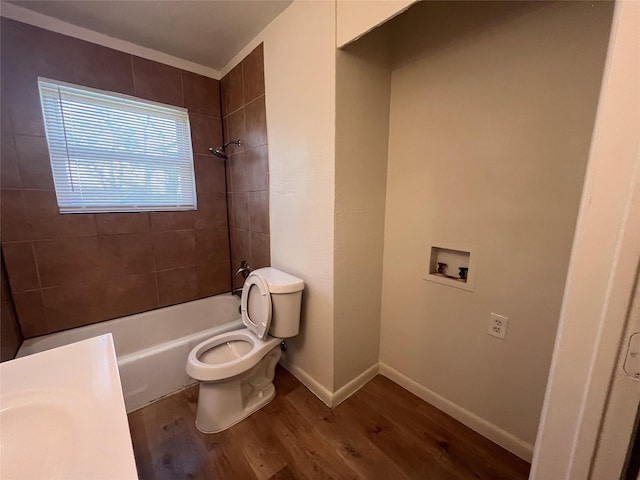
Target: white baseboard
328,398
485,428
308,381
354,385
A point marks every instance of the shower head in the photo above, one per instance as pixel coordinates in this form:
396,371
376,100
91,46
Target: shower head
219,151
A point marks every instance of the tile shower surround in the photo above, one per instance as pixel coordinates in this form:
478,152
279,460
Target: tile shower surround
244,114
75,269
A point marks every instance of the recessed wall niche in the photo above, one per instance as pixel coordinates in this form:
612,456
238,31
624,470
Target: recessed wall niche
454,267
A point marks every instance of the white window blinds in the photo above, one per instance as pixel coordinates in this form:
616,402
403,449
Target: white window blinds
115,153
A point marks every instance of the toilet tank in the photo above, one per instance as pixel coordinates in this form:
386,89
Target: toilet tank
286,299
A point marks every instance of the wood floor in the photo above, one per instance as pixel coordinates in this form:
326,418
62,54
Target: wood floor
381,432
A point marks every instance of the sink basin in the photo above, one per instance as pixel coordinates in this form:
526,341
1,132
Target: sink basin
23,415
62,415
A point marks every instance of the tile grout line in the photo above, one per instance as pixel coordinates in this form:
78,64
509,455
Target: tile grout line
133,76
227,114
155,270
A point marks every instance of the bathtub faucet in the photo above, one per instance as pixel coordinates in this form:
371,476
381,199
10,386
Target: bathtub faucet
244,269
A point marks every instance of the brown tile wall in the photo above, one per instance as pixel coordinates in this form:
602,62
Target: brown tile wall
10,335
244,118
75,269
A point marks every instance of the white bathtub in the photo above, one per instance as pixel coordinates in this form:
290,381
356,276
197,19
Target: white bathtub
152,347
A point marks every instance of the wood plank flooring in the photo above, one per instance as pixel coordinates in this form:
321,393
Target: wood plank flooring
381,432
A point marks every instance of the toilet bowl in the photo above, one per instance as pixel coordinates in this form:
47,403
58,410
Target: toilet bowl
236,369
229,354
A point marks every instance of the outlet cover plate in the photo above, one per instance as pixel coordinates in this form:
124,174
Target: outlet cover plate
498,326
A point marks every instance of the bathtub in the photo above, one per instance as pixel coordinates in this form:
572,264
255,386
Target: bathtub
152,347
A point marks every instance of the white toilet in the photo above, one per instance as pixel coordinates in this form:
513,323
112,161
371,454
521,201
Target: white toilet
236,369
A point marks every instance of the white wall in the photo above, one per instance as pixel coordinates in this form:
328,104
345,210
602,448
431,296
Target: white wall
491,118
362,131
299,59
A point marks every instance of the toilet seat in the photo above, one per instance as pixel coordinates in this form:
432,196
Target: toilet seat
255,305
230,366
226,362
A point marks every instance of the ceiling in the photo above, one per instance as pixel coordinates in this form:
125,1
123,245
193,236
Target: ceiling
206,32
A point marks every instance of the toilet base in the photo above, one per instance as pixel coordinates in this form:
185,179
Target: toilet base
223,404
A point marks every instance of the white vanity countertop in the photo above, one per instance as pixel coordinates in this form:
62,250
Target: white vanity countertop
62,415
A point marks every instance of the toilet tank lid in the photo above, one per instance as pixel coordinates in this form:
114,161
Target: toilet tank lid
279,281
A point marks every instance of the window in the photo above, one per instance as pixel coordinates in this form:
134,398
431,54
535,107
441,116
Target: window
115,153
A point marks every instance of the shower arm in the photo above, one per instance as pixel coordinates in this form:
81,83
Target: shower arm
220,151
234,142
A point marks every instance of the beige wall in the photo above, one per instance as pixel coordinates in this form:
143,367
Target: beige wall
599,284
299,64
310,182
362,130
357,17
491,119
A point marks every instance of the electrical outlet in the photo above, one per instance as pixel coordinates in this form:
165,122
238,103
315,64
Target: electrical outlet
498,326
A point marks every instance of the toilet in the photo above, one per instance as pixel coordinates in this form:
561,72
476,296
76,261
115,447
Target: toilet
236,369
